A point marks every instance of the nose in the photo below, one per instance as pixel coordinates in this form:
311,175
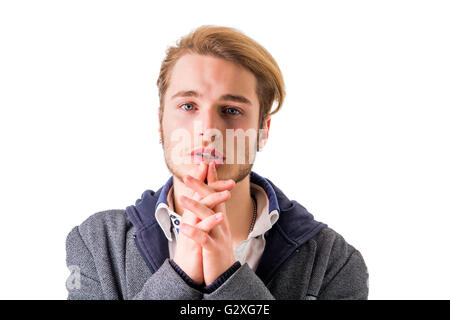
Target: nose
208,126
207,138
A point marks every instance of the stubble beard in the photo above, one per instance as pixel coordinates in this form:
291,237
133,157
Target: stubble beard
238,171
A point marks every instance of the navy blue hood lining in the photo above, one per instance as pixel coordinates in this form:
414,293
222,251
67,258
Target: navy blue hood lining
254,177
294,227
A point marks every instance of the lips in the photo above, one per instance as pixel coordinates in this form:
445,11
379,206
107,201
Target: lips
208,155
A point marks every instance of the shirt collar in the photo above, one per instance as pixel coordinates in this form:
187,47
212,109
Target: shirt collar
265,218
165,215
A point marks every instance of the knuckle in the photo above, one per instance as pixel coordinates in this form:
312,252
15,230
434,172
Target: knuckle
206,201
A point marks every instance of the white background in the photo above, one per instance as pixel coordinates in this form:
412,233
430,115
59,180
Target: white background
362,140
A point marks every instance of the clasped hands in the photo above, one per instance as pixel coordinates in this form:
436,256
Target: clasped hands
204,246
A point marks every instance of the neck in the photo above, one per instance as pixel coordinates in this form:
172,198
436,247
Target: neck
239,208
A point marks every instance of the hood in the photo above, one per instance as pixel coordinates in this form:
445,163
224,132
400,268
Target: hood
294,227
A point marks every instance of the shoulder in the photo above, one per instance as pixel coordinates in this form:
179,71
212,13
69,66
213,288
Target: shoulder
329,239
107,220
340,261
330,243
102,227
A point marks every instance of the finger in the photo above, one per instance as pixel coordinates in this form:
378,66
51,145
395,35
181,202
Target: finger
199,171
203,189
200,174
196,197
218,186
200,237
189,217
198,186
200,210
209,223
212,172
221,185
202,171
215,198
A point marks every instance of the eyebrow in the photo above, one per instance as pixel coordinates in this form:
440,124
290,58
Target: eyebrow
226,97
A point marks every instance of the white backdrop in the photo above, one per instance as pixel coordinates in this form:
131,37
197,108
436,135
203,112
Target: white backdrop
365,124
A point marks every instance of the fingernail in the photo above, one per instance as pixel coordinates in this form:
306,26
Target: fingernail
219,216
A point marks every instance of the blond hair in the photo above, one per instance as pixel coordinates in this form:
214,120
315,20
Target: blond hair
232,45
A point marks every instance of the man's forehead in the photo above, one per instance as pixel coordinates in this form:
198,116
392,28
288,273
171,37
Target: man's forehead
199,76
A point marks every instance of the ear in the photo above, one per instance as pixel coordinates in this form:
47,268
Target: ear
264,133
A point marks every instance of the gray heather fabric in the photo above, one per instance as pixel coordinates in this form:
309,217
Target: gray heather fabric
110,266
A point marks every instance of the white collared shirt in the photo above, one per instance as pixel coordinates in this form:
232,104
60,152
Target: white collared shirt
248,251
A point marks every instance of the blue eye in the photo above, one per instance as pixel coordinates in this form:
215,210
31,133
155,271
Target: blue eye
234,113
187,104
229,111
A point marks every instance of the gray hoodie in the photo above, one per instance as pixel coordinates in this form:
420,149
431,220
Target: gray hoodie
123,254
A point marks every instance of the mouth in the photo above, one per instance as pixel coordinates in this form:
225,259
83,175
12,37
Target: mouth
208,155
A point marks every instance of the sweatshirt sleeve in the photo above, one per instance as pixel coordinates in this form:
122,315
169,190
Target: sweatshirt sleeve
85,283
167,284
243,284
228,286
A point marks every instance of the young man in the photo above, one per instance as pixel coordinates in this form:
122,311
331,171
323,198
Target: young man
216,229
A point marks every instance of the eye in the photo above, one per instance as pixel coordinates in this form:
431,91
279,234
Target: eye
189,108
232,111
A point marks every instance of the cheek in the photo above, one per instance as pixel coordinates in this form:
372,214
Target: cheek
176,119
171,120
176,134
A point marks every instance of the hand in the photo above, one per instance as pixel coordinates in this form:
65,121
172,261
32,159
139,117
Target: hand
216,240
188,253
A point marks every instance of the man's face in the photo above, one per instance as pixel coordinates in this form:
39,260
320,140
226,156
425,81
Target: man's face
199,104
